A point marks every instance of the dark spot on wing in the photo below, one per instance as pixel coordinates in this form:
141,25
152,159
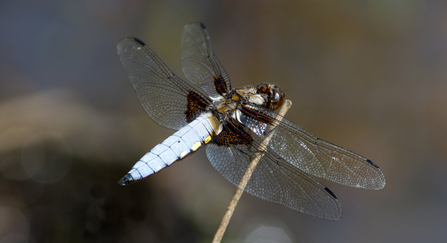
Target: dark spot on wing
196,105
372,163
330,192
202,25
139,41
232,134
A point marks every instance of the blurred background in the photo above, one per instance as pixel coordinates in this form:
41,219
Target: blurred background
370,76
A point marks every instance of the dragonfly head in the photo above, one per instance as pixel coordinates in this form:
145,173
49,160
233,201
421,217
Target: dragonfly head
275,97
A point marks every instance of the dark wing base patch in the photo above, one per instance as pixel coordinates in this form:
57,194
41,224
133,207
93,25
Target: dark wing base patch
221,86
232,134
196,105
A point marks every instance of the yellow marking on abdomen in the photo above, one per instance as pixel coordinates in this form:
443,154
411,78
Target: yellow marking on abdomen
183,154
196,146
208,139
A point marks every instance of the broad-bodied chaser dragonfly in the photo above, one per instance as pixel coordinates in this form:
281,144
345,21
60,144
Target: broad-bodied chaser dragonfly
233,123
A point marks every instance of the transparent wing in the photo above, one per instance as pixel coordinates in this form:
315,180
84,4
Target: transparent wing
275,180
161,93
199,63
323,159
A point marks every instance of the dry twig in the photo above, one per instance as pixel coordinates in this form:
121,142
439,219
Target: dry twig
243,183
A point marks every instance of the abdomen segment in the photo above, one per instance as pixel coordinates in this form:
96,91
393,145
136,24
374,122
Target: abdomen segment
182,143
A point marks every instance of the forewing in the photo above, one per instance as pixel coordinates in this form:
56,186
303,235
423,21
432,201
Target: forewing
275,180
320,158
162,94
199,63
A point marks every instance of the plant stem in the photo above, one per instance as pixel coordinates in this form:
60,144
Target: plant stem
244,181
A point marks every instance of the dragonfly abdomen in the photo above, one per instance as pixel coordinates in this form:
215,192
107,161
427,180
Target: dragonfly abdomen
176,147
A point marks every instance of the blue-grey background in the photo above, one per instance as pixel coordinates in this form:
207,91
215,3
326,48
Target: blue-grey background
370,76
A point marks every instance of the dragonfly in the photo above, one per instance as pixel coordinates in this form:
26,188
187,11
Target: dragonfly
232,123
